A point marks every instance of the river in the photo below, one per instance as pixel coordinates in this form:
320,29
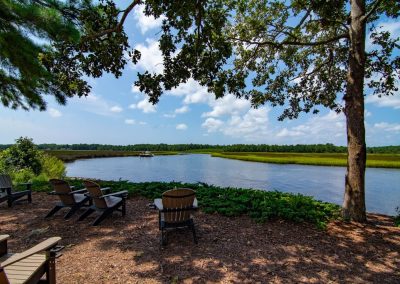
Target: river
324,183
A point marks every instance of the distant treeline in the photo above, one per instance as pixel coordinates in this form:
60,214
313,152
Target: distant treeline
313,148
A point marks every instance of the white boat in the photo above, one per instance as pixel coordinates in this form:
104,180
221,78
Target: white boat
146,154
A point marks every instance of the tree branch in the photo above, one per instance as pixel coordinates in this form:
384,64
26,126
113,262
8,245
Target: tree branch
296,43
118,27
373,9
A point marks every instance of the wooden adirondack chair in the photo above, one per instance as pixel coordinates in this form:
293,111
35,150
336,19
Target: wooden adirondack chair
29,266
175,211
7,193
106,204
68,198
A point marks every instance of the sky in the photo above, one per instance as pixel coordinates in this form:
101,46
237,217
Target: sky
116,113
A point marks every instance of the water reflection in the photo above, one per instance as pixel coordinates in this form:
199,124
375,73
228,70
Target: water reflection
324,183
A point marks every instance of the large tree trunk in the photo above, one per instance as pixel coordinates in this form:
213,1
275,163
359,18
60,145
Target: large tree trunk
354,197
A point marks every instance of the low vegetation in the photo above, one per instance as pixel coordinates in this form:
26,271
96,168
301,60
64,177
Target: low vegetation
24,162
260,205
319,159
71,155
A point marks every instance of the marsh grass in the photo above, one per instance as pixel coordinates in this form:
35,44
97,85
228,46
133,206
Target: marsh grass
71,155
319,159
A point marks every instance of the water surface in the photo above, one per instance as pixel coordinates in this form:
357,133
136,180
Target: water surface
324,183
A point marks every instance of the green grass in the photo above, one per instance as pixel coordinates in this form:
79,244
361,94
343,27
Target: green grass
258,204
71,155
318,159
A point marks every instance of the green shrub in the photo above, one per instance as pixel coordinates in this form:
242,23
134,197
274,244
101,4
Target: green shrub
20,156
52,167
24,162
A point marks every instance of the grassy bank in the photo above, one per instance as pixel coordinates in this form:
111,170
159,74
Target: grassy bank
319,159
71,155
260,205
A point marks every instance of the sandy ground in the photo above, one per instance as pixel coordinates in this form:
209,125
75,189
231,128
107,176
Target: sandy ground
230,250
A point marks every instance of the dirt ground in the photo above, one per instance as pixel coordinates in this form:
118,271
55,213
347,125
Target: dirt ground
230,250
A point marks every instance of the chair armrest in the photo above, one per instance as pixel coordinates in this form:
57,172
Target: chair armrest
56,193
4,238
45,245
106,189
123,194
83,190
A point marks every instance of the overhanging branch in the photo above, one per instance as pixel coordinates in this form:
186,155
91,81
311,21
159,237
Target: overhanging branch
373,9
118,27
295,43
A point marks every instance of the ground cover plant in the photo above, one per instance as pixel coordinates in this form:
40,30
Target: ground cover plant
258,204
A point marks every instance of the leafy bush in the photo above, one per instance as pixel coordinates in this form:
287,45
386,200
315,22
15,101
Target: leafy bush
21,156
24,162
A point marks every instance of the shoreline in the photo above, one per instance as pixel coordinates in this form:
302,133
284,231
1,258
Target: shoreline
314,159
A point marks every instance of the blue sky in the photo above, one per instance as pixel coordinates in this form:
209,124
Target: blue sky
116,113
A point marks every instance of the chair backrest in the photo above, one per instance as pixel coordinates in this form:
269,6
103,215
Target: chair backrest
5,181
62,188
95,192
179,201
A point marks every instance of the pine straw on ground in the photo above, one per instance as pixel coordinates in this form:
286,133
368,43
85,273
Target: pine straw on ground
230,250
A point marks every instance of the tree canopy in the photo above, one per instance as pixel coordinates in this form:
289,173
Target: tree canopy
54,52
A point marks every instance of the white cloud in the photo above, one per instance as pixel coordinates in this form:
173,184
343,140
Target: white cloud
181,126
392,127
367,113
212,124
144,105
192,92
329,128
142,123
116,109
227,105
167,115
183,109
144,22
54,112
252,126
95,104
151,59
130,121
289,133
384,101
